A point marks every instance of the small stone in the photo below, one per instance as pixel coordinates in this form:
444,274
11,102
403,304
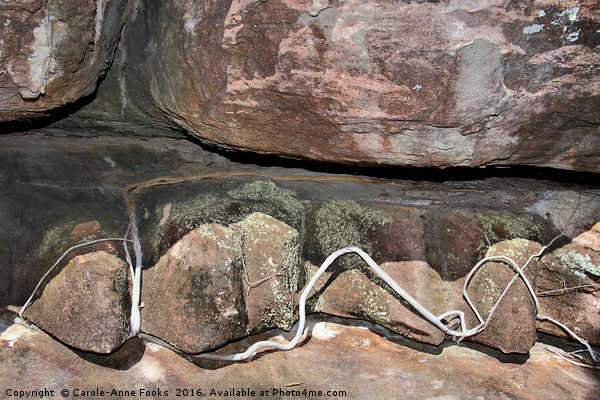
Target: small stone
271,256
87,305
512,327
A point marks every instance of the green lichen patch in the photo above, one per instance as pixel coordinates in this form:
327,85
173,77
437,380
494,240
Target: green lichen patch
56,240
281,200
223,202
579,261
500,226
339,224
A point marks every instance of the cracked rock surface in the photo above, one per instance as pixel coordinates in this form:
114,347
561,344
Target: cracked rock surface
363,361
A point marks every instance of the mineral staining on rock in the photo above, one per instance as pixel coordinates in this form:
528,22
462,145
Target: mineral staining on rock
87,304
412,84
53,53
192,296
220,283
568,286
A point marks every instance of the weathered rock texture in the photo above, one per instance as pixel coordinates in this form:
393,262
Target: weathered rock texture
54,52
193,297
427,235
357,294
411,83
337,355
569,287
218,284
87,305
512,325
455,83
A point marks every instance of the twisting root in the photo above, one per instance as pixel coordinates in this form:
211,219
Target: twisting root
132,236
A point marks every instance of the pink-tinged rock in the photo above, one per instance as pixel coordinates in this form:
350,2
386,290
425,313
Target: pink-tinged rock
360,294
410,83
512,327
271,261
87,305
193,296
337,355
53,53
569,288
590,239
220,283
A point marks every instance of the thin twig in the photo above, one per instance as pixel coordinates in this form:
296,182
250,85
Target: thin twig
567,289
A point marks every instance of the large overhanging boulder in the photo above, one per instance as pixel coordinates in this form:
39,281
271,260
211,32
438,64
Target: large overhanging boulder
440,84
54,52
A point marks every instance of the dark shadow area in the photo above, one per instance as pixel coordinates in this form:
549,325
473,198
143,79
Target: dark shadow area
239,346
6,319
46,119
313,318
44,123
569,346
512,358
385,333
428,174
125,357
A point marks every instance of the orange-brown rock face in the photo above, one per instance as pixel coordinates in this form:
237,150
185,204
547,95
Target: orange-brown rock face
398,83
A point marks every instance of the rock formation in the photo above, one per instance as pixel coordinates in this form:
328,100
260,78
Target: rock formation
435,84
87,304
53,53
360,83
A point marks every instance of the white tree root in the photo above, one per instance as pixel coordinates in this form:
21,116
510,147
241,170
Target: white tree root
459,333
70,249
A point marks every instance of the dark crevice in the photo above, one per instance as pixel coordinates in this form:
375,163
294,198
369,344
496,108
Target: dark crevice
428,174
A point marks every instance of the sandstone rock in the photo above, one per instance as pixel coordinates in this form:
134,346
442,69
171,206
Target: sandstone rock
576,265
219,284
512,327
54,52
360,294
412,83
270,251
433,223
87,304
193,297
338,355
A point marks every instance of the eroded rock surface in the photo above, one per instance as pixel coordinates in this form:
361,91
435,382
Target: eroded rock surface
427,235
358,294
569,283
87,305
413,83
193,297
512,327
53,53
219,284
271,255
338,355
